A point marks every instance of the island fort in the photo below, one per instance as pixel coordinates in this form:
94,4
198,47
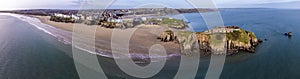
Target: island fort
220,40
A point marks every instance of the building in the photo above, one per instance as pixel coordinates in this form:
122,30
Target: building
75,17
58,15
144,18
223,29
89,18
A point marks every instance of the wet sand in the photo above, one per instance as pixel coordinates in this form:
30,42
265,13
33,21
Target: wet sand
141,41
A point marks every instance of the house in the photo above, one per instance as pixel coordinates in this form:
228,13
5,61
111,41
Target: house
58,15
144,18
75,17
62,15
118,20
89,18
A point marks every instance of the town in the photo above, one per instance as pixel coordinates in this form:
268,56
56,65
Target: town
121,18
116,18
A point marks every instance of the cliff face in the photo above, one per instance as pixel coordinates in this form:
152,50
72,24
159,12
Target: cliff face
221,40
230,41
188,43
235,46
167,36
204,43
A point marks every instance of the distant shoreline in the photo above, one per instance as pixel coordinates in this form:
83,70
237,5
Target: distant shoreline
140,43
47,12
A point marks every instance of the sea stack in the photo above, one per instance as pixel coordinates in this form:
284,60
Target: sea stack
167,36
289,34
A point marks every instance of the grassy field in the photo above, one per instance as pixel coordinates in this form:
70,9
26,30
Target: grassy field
240,35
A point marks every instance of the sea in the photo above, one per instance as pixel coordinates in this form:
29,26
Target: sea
29,51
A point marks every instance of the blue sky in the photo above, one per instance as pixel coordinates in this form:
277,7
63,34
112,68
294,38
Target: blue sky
75,4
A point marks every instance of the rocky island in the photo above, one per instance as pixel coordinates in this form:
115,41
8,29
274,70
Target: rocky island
220,40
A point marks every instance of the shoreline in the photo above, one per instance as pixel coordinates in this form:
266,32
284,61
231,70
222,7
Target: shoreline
139,44
141,41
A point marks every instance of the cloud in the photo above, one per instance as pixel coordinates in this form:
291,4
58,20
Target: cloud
78,2
253,3
283,5
75,4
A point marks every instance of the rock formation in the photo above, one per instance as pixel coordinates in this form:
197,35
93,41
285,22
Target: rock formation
236,39
188,43
167,36
221,40
289,34
204,43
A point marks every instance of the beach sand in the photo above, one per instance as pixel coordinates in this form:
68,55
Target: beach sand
141,41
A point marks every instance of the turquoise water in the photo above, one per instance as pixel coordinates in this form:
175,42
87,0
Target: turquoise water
29,53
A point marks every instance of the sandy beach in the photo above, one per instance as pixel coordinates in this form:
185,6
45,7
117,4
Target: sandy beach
142,39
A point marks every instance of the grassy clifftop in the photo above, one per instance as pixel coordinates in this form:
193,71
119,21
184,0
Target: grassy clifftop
231,39
241,36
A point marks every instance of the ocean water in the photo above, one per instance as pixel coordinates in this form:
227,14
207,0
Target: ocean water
30,53
276,58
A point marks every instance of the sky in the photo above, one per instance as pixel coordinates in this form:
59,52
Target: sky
77,4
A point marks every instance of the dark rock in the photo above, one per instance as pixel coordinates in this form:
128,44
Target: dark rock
167,36
288,34
260,41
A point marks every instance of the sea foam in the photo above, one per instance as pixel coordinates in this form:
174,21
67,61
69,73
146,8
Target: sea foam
58,33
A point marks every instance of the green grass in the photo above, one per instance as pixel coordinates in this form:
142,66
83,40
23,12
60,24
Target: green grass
241,36
169,32
172,21
252,35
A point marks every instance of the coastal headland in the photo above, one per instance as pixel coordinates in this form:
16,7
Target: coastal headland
143,38
153,29
227,40
237,39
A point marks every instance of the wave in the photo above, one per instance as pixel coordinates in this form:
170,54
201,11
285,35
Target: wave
61,36
43,27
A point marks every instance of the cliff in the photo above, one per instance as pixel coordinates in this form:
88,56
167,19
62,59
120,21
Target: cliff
231,39
220,40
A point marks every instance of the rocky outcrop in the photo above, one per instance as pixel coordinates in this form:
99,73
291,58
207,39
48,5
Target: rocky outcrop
188,43
204,43
288,34
238,40
236,46
167,36
230,41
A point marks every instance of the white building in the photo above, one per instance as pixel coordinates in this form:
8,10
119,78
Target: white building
75,17
144,18
58,15
118,20
222,30
89,18
62,15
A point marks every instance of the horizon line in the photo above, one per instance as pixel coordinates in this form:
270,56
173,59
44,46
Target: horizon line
142,8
